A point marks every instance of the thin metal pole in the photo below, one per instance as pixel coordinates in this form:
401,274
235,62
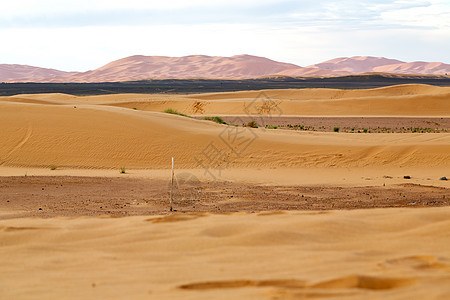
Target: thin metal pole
171,187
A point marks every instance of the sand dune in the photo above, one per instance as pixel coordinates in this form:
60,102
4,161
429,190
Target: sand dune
313,71
140,67
370,254
413,105
81,134
24,73
418,67
368,64
356,64
401,100
195,66
328,94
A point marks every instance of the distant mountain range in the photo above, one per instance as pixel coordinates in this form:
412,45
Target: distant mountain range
141,67
22,73
368,64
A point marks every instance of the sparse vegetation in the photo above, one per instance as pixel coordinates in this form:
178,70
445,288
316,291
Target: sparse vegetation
53,167
175,112
300,127
122,170
252,124
351,128
215,119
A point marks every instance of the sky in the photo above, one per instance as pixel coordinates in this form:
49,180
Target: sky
80,35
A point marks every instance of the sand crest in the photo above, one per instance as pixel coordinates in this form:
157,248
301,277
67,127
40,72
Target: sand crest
104,132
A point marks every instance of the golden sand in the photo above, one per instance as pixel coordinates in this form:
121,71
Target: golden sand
370,254
394,253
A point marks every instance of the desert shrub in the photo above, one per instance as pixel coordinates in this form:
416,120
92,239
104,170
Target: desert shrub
175,112
336,129
252,124
272,127
122,170
365,130
215,119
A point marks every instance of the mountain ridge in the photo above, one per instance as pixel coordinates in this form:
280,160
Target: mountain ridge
141,67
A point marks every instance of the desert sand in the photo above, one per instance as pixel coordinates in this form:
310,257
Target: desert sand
263,213
105,132
370,254
411,100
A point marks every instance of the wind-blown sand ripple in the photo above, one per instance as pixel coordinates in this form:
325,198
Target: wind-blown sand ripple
270,254
394,253
93,136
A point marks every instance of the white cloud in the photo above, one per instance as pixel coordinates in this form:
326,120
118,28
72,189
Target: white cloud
434,16
49,7
82,35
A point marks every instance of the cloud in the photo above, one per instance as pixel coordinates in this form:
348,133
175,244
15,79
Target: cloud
363,15
84,34
130,16
32,8
434,15
142,13
326,13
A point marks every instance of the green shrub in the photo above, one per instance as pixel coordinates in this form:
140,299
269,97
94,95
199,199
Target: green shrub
122,170
175,112
215,119
336,129
252,124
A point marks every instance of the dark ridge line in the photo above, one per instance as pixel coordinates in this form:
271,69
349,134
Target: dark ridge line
188,86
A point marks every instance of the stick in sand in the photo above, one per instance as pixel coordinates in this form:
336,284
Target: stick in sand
171,187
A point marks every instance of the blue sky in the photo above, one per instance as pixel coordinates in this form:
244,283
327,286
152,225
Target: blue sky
86,34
